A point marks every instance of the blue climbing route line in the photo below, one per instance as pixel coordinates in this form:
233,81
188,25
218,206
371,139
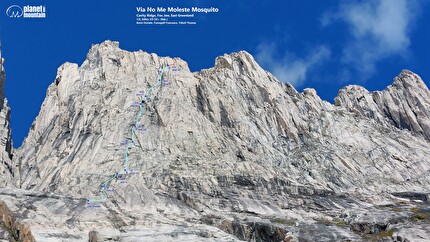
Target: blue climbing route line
124,171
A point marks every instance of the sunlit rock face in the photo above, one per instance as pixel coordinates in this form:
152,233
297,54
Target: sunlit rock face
6,151
131,146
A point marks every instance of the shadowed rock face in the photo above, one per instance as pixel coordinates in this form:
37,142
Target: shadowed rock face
228,152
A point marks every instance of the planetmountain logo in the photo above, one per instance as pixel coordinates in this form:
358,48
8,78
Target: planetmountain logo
14,11
27,11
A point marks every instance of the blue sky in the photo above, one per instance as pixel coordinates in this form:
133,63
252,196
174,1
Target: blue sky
321,44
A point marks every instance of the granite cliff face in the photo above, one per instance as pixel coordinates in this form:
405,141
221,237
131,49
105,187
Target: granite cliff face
227,153
404,104
5,134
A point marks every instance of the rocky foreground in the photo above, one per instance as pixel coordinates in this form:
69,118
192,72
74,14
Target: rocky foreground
225,154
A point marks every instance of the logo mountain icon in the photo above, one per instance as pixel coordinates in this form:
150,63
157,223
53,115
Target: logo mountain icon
14,11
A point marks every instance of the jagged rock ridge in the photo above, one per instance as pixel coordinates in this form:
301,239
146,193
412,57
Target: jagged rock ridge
230,147
403,104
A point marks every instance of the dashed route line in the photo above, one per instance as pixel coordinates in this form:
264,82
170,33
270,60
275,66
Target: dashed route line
124,171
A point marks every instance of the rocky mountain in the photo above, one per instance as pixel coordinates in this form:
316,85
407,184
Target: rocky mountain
130,146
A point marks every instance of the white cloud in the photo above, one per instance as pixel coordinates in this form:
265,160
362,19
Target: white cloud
286,67
379,29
